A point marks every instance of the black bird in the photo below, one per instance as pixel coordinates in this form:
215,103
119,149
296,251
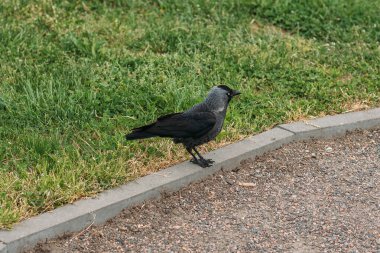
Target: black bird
196,126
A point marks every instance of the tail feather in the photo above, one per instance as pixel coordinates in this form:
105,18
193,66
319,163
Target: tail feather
139,135
152,130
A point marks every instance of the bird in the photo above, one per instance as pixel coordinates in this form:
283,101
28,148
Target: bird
196,126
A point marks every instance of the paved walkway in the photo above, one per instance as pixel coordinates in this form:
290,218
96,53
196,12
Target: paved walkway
315,196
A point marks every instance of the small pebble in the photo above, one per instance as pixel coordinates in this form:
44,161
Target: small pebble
229,181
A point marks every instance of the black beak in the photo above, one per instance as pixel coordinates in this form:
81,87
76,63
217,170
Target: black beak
235,93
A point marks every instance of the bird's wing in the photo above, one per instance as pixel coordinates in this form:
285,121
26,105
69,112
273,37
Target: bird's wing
182,125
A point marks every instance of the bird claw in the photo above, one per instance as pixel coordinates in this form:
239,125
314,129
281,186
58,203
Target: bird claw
209,161
204,163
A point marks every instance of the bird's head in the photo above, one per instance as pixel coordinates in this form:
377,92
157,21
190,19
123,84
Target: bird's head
227,91
219,97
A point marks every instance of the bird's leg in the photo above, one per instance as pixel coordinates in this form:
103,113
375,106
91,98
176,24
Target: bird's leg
201,162
194,159
208,161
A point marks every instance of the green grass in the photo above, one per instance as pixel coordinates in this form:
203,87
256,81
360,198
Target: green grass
76,76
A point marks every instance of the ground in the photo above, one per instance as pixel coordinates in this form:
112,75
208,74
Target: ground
309,196
76,76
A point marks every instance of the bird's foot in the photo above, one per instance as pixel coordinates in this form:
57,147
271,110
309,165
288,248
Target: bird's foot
209,161
204,163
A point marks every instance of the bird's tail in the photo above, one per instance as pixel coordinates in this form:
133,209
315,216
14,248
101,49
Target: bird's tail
140,133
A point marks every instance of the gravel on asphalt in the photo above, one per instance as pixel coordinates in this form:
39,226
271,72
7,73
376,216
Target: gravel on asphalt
309,196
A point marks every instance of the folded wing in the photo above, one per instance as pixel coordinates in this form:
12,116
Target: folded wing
177,125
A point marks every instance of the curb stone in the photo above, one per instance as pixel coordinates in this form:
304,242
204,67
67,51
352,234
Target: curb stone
84,213
3,248
336,125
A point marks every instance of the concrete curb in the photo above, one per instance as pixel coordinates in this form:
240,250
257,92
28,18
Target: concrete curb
83,213
2,247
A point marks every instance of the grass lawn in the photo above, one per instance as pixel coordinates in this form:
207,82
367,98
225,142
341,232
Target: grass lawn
76,76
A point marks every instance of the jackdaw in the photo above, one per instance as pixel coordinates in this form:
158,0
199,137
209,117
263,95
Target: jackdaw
194,127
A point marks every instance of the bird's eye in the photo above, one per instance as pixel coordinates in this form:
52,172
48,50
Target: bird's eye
229,94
